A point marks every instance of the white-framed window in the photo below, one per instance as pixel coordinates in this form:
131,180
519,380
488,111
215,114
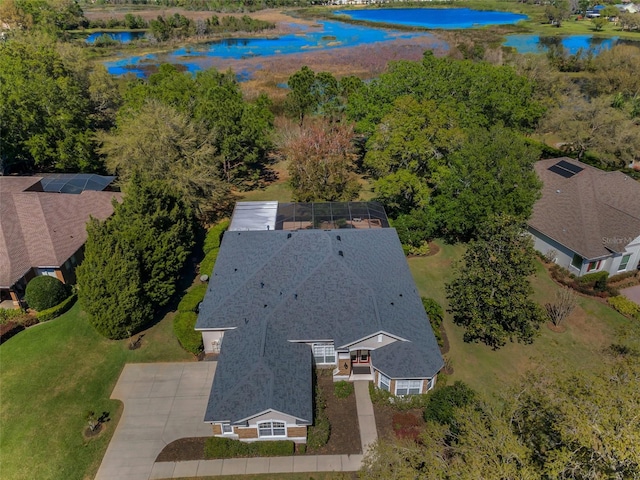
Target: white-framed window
624,262
323,353
594,266
227,428
430,384
408,387
272,429
577,261
384,382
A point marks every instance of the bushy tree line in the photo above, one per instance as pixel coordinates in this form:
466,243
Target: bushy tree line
197,133
178,26
132,259
51,103
579,425
53,17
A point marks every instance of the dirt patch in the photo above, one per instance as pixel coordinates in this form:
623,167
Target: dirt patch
392,424
183,449
89,434
556,328
434,249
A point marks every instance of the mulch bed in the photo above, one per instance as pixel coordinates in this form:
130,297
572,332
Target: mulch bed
343,416
556,328
392,424
344,439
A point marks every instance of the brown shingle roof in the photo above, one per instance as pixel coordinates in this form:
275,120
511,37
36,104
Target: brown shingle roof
39,229
593,212
19,184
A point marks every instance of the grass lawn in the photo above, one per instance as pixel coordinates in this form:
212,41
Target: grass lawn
590,328
50,375
286,476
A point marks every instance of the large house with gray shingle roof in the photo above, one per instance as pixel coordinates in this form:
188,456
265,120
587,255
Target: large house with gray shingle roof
587,220
282,301
43,233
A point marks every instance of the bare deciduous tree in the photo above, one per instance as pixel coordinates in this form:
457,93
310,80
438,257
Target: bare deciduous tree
565,301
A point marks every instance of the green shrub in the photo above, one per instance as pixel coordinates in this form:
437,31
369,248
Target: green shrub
54,312
342,389
218,447
192,299
278,448
436,314
621,276
7,314
183,327
625,306
214,236
597,280
408,402
44,292
318,434
442,402
208,262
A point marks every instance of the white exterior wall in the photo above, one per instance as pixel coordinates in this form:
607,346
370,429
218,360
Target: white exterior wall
210,339
632,248
373,342
544,244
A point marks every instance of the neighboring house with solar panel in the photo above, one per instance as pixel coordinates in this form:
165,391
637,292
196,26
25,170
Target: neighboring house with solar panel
587,220
43,232
292,290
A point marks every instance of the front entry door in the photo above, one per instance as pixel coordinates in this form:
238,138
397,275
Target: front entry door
360,357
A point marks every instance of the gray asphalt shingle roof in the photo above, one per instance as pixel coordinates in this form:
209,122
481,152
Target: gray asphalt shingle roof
310,285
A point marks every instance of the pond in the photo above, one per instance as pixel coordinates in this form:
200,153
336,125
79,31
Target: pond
122,37
443,18
572,43
327,35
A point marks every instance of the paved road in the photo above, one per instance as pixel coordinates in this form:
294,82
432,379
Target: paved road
167,401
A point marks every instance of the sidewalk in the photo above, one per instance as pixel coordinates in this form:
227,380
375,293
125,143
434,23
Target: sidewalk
244,466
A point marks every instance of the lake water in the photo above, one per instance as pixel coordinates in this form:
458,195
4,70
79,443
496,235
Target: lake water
122,37
443,18
572,44
328,35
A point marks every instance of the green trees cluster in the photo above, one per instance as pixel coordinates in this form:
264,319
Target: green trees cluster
132,259
579,425
51,103
197,133
51,16
490,295
178,26
444,142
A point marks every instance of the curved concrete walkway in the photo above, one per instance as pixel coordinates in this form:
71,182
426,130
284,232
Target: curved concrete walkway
166,401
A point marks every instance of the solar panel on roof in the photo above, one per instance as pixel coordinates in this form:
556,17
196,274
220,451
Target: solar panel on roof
561,171
569,166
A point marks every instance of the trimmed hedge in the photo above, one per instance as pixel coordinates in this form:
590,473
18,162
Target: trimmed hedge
214,236
436,314
219,447
625,306
208,262
183,327
54,312
44,292
318,433
442,403
192,299
597,281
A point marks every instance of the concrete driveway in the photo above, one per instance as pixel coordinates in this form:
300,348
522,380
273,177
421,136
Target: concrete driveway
162,403
632,293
